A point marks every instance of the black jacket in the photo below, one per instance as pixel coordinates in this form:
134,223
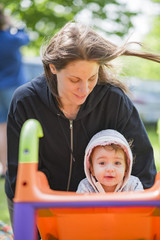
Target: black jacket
106,107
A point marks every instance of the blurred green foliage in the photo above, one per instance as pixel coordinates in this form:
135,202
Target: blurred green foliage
4,214
146,69
154,139
45,17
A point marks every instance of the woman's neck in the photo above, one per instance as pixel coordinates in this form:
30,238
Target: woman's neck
70,111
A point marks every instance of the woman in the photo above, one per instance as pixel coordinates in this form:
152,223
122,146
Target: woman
76,98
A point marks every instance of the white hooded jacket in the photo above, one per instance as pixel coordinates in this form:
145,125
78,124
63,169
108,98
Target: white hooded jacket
107,137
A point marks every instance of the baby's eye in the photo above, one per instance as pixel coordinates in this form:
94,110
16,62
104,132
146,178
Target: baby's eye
117,163
101,163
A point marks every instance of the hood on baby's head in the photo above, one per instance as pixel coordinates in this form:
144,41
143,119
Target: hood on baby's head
102,138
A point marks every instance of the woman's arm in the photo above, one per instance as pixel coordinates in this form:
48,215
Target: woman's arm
132,127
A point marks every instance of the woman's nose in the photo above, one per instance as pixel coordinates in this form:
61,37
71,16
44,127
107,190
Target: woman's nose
83,88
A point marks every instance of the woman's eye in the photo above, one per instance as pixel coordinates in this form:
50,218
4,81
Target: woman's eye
74,81
92,79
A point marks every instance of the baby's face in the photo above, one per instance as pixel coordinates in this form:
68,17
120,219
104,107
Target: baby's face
108,166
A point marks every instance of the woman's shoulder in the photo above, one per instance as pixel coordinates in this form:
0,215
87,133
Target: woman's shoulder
35,91
108,97
30,88
112,93
110,88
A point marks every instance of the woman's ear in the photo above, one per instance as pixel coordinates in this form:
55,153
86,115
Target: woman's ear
52,68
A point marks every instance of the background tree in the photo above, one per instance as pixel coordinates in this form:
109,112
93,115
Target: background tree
112,18
147,69
45,17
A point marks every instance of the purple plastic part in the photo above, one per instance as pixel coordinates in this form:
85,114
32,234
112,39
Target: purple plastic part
25,213
24,222
35,205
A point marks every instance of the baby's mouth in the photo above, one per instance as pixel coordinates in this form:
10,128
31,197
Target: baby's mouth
110,177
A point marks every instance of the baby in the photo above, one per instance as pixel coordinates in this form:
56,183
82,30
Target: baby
108,164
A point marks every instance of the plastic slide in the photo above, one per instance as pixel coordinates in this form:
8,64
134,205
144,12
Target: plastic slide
71,216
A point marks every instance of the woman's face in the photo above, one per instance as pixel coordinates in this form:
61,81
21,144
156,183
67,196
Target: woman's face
76,81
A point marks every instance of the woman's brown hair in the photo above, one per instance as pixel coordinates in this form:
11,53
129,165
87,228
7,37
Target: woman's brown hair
76,41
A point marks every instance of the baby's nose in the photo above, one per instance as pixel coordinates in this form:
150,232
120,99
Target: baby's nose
109,168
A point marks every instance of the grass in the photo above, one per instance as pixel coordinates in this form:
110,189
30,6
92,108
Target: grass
4,214
153,136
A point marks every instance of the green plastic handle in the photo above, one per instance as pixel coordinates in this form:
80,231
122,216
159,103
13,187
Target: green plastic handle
29,141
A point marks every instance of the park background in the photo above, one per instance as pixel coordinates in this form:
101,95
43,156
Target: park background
118,20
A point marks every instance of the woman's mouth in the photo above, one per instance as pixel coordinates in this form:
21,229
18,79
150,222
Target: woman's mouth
80,97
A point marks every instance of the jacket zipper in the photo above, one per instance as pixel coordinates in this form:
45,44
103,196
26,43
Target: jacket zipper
71,157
